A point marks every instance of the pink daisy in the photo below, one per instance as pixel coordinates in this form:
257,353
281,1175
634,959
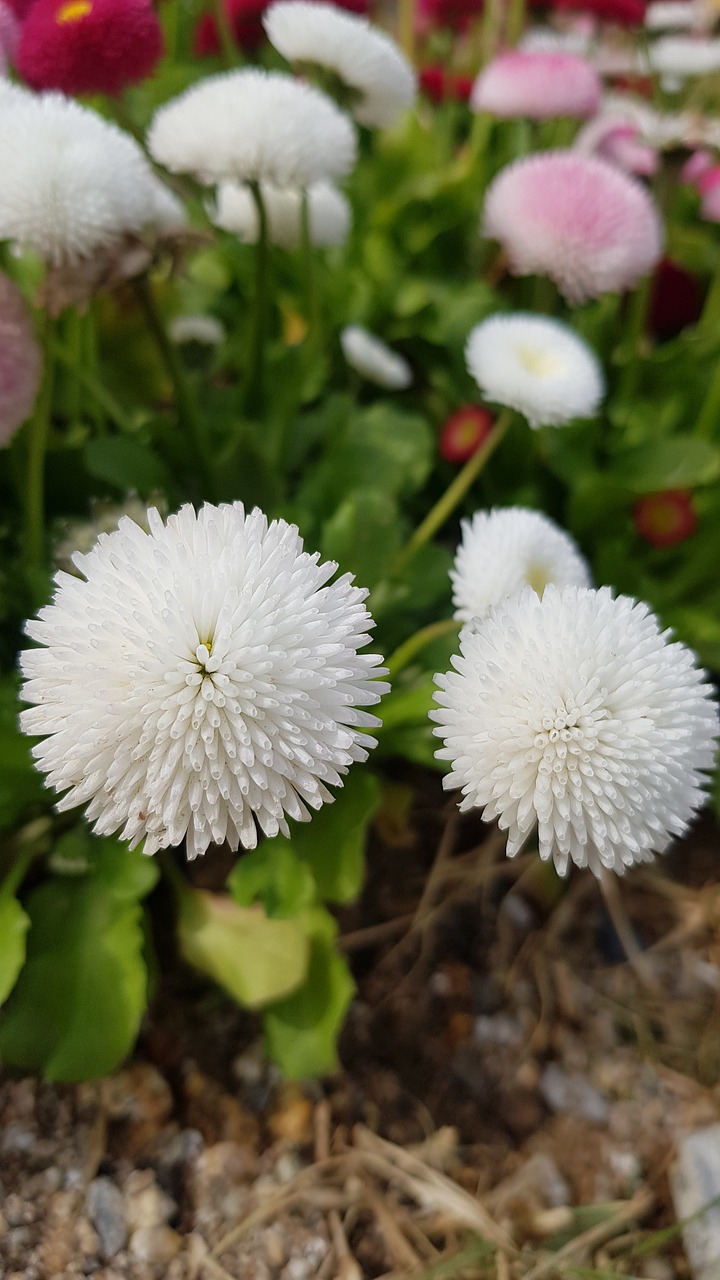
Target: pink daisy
577,219
20,363
620,142
89,46
537,86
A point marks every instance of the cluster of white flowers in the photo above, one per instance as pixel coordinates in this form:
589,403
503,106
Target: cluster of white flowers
328,213
364,59
253,126
573,714
203,678
536,365
73,183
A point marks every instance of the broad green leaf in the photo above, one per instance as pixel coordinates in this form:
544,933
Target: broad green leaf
363,535
274,876
14,924
255,959
20,783
301,1031
333,843
126,464
76,1008
677,462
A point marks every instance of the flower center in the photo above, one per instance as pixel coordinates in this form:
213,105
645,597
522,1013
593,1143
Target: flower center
537,578
567,733
541,364
73,11
205,660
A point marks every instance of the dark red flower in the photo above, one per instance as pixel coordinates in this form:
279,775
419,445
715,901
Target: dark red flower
19,7
627,13
455,14
675,302
245,19
440,85
464,432
89,46
663,519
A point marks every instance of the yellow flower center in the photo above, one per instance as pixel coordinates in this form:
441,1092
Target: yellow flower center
73,11
537,578
542,364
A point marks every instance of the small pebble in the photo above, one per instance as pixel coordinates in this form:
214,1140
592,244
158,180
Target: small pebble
105,1208
573,1094
156,1245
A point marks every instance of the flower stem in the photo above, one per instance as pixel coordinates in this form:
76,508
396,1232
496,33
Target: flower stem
255,390
639,303
312,296
87,379
454,494
709,321
515,22
17,873
406,29
228,50
709,416
187,410
406,651
39,431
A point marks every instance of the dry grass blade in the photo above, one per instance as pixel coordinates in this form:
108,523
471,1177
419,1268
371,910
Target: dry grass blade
631,1211
434,1190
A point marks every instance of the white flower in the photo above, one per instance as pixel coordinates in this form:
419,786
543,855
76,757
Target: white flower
575,714
677,57
536,365
204,677
206,330
256,126
73,183
363,58
81,535
680,15
329,215
509,548
373,360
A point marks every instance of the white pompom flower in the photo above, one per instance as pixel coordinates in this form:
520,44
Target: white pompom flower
329,215
255,126
73,183
203,680
509,548
536,365
367,62
575,715
373,359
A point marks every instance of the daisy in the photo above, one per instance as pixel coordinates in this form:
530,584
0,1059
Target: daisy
20,361
536,365
577,219
202,680
538,86
329,215
506,549
575,716
253,126
89,46
373,360
380,80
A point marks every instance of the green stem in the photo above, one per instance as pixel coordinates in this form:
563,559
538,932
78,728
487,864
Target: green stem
454,494
228,48
406,651
312,295
709,417
709,322
515,22
87,379
39,432
187,411
639,303
255,391
490,30
406,29
17,873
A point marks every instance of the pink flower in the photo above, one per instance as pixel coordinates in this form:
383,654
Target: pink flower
577,219
464,432
709,186
9,31
20,363
89,46
695,166
538,86
619,142
664,519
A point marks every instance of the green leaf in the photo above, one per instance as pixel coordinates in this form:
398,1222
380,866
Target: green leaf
20,783
14,924
255,959
76,1008
363,535
679,462
333,844
273,875
301,1031
126,464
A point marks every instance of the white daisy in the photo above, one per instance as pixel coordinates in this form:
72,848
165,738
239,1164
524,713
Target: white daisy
203,678
536,365
329,215
73,183
256,126
575,715
509,548
365,60
207,330
675,58
373,360
677,15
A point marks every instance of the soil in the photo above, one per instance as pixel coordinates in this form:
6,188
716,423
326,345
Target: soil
512,1095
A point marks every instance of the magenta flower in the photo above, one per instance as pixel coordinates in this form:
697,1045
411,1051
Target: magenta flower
620,142
537,86
20,363
577,219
